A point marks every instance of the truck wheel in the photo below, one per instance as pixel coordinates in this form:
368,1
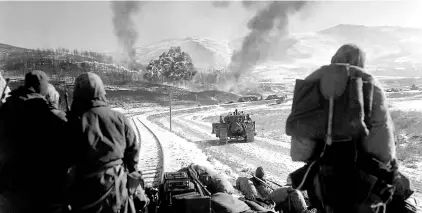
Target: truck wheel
223,135
250,137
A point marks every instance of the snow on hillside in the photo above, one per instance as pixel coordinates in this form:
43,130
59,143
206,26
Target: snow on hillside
391,51
205,52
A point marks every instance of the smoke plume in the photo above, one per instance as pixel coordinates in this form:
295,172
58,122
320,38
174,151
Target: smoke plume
125,29
245,4
222,4
267,28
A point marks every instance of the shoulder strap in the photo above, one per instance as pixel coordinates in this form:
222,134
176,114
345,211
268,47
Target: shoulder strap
368,93
329,136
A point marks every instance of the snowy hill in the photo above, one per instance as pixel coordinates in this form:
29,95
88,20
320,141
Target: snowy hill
391,51
205,52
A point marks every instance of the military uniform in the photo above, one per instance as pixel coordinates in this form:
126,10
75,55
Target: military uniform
104,148
31,146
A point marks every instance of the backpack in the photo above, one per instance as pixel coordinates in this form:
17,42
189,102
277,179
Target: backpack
339,172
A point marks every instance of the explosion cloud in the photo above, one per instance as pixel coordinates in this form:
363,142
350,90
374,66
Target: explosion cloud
125,29
267,27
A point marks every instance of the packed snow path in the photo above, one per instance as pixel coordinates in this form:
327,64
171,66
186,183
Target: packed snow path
151,156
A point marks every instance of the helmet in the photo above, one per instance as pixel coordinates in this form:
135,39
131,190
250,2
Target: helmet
259,173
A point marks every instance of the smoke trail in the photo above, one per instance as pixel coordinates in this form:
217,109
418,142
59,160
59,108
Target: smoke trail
248,4
266,28
222,4
125,29
225,4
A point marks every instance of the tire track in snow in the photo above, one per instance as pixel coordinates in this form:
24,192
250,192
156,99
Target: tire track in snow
237,155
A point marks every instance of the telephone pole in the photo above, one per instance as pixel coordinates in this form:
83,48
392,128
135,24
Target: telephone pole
170,97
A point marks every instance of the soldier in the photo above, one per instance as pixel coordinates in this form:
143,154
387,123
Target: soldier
31,149
53,98
287,199
335,180
4,90
104,148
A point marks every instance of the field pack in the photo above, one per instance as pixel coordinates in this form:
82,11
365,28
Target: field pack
309,115
331,120
353,104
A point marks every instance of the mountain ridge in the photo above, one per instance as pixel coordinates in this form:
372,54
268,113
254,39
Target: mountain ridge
390,50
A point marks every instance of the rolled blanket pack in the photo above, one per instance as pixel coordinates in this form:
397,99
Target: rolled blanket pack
214,182
247,188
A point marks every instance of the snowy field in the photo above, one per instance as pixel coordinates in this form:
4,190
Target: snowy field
407,105
191,141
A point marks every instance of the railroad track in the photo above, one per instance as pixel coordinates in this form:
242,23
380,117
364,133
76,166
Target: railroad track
151,156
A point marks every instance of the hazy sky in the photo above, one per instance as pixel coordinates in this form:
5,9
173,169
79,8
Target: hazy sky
88,25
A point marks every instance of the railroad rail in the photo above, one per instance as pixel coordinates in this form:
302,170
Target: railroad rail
151,156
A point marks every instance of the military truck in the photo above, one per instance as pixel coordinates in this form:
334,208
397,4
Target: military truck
272,97
414,87
281,99
253,98
244,99
235,125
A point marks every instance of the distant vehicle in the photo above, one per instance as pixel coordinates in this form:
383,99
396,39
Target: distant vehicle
234,125
253,98
414,87
243,99
281,99
393,90
230,102
272,97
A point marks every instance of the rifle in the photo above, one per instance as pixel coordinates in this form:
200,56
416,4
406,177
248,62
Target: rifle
265,183
4,90
201,188
66,99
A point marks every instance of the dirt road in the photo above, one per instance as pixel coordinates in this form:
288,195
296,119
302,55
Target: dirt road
241,157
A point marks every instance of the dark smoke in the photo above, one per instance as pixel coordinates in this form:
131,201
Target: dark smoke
225,4
248,4
125,29
267,27
222,4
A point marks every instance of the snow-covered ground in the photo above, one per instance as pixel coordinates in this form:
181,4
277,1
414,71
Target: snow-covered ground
242,158
192,142
181,153
407,105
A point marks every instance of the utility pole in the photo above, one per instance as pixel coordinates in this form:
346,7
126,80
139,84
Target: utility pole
170,97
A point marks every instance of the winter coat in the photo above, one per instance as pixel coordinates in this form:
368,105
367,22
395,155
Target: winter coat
32,151
3,89
365,117
379,140
53,98
103,146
